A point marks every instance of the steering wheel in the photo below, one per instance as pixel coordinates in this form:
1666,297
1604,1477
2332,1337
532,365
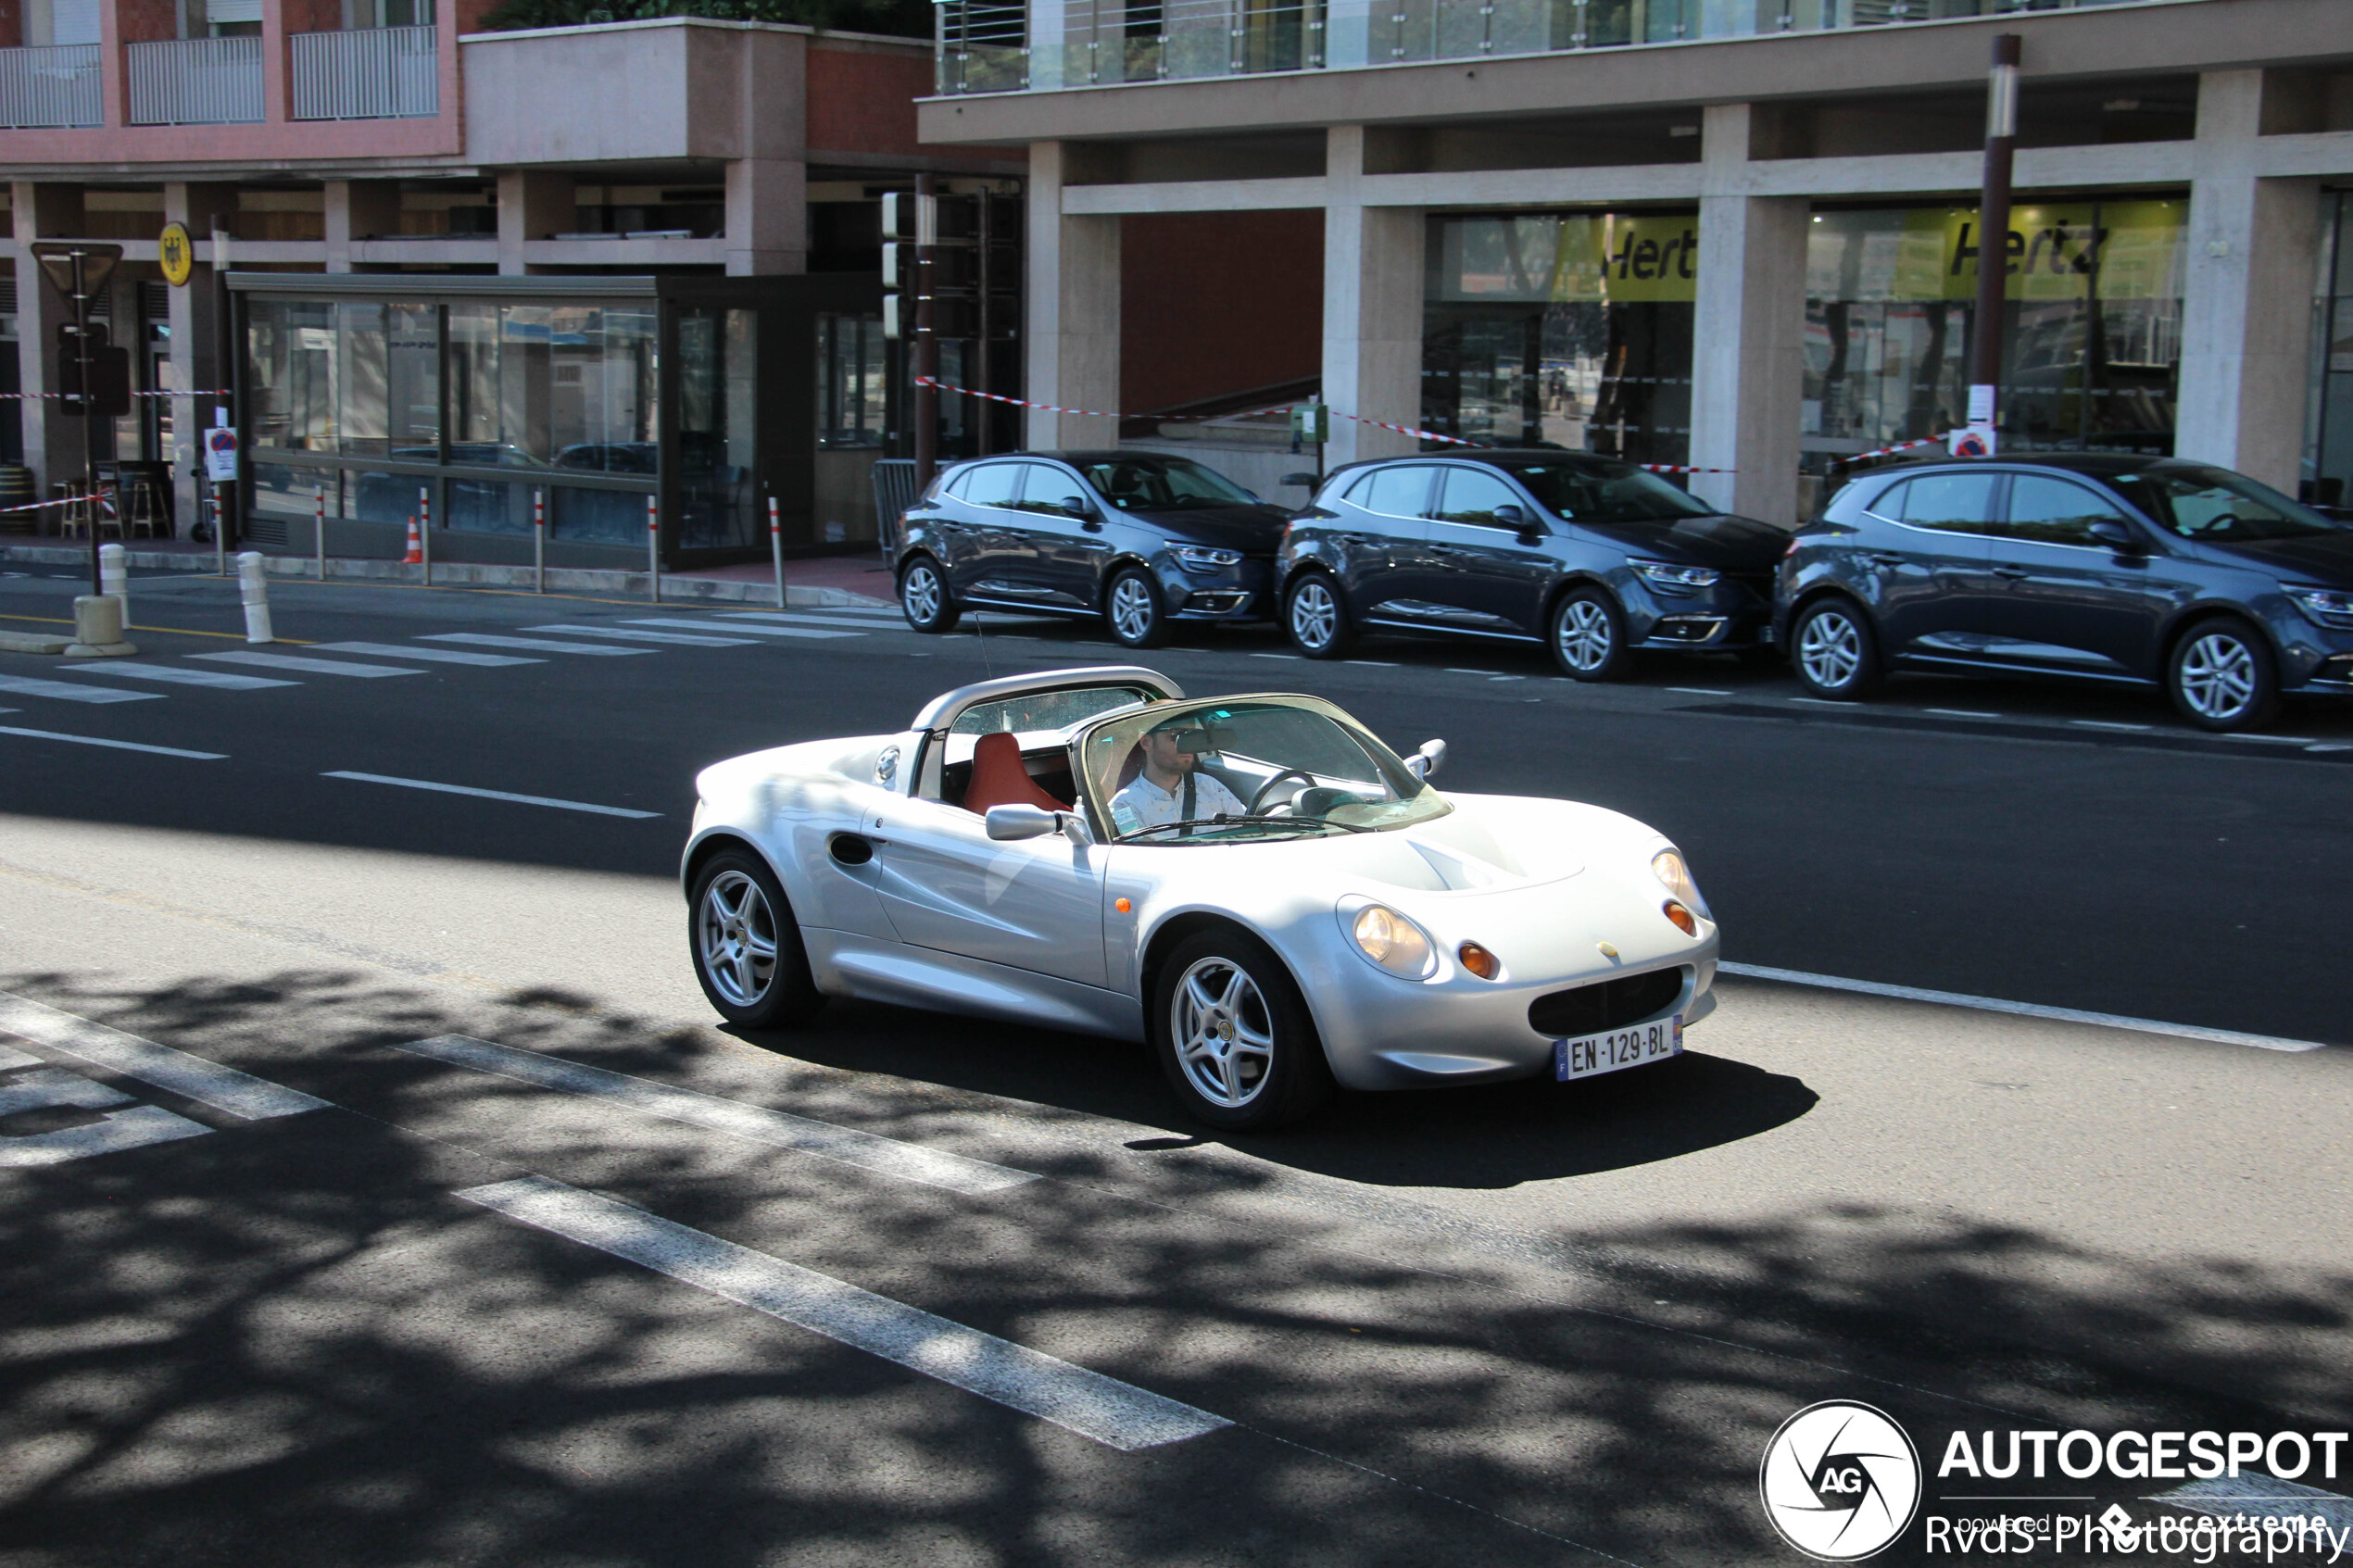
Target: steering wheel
1268,787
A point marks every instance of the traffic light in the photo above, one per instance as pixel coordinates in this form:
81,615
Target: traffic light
110,391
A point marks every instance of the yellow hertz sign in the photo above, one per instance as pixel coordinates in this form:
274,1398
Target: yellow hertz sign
177,254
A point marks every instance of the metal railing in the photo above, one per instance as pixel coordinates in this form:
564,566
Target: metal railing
195,82
52,87
367,73
986,46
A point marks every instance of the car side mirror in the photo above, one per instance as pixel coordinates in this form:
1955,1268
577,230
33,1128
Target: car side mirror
1509,516
1076,506
1425,762
1305,481
1004,822
2116,536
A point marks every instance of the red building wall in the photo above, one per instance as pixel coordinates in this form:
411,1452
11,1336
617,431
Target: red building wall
862,99
1212,303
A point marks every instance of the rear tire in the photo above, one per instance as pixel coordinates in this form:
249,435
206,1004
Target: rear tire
1586,633
2221,676
1234,1036
1834,651
1315,618
923,597
746,945
1133,611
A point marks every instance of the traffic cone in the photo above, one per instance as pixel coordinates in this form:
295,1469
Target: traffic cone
416,556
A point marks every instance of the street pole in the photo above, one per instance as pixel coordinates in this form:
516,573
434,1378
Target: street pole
776,549
653,547
319,532
926,346
539,541
89,416
1993,235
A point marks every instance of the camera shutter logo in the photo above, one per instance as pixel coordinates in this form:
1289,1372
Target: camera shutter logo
1841,1481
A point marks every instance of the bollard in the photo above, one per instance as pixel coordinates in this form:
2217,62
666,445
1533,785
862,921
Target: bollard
253,589
424,529
776,549
114,577
319,533
539,541
98,628
220,534
653,545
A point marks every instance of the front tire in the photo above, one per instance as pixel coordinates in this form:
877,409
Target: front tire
1588,638
1314,618
1234,1036
2221,676
1133,610
923,597
746,945
1834,651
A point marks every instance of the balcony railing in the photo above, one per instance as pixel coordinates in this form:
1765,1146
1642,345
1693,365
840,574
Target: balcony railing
195,82
986,46
53,86
367,73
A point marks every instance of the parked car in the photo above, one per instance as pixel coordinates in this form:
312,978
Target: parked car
2132,571
1140,538
1594,559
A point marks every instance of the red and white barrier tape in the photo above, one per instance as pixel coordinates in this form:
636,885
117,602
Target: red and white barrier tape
30,397
105,499
1899,446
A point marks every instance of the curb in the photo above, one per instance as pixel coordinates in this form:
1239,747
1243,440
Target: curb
474,574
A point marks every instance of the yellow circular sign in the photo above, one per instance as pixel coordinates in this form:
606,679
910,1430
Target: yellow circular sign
177,253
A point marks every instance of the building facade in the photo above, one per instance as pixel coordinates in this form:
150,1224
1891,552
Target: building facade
1735,234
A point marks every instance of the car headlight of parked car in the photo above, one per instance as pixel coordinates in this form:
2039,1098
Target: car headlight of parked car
1200,558
2327,607
1389,939
1667,866
1668,578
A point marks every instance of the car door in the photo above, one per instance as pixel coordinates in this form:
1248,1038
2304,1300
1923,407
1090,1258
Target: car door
1034,904
1928,560
1067,539
1383,534
981,524
2069,600
1484,574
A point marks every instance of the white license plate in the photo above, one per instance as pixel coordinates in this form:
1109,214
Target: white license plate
1619,1048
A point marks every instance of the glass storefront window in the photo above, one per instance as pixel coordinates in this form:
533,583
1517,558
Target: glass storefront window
718,430
851,409
569,386
361,378
2328,476
1563,330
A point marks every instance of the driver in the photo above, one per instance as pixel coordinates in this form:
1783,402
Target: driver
1169,789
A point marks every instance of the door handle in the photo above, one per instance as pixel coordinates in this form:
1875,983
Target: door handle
2013,572
1883,558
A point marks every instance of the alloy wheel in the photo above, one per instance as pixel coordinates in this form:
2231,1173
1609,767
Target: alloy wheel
1315,614
736,938
1132,609
1587,638
1829,651
1224,1032
2219,680
919,593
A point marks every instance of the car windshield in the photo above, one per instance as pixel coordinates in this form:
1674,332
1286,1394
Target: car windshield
1258,767
1162,485
1592,492
2218,506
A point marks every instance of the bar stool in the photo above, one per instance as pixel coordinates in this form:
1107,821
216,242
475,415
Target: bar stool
141,507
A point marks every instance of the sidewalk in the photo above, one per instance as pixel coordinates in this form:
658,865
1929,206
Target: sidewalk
818,580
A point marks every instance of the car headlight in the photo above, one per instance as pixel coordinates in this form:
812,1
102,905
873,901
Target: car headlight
1391,941
2327,607
1675,578
1200,558
1667,866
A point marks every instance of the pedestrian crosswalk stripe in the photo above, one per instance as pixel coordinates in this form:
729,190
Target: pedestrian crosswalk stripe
878,619
207,1082
315,666
1118,1415
491,793
117,744
681,639
438,656
134,1127
543,645
52,1087
760,630
180,674
27,685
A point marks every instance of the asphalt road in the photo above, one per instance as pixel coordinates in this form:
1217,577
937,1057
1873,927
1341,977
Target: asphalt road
1515,1324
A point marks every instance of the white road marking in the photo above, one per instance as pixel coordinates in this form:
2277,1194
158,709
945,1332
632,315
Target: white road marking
2021,1009
27,685
2106,724
1117,1414
2281,740
755,631
1696,691
1823,702
679,638
438,656
491,793
207,1082
314,666
2259,1496
884,1156
179,674
542,645
1961,712
133,1128
1507,677
1371,663
55,1086
116,744
11,1058
1457,669
1290,656
880,620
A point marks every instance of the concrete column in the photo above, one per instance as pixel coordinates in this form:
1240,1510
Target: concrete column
356,209
532,205
1373,259
2246,307
197,363
768,187
54,445
1747,332
1074,312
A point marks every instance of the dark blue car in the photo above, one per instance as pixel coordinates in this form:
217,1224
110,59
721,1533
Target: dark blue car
2132,571
1142,539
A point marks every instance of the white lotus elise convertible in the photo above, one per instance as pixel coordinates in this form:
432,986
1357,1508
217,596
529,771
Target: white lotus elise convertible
1255,885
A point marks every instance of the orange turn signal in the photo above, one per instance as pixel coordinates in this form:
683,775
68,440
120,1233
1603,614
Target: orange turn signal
1685,921
1122,905
1478,960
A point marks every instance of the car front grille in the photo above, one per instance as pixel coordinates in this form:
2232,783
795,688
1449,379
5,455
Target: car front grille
1612,1004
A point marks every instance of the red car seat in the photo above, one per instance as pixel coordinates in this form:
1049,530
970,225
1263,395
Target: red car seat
998,779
